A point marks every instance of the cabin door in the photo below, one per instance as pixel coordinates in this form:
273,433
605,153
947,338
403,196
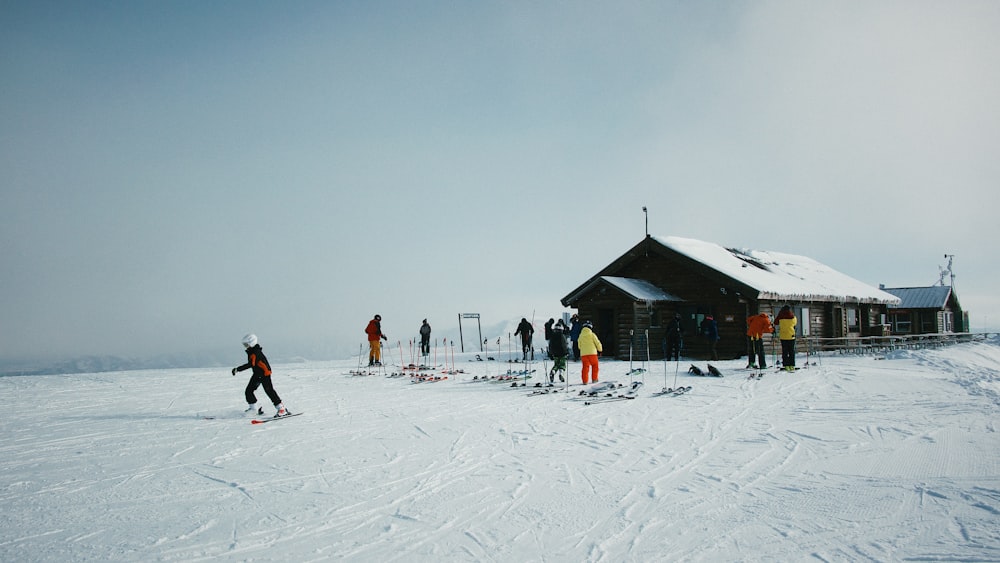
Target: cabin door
606,330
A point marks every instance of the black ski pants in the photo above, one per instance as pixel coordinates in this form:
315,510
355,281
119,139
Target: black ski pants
757,349
255,382
788,353
673,349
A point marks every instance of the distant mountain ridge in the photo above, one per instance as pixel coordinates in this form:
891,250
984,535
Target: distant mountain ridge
101,364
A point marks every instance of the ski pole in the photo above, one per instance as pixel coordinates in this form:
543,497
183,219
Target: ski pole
664,365
647,359
631,338
677,367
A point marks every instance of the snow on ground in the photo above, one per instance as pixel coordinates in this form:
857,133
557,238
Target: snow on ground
851,459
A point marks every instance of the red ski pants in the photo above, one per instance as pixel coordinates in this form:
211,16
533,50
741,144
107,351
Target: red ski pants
589,364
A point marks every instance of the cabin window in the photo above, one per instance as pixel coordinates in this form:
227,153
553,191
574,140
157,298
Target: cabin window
655,318
853,321
901,323
949,321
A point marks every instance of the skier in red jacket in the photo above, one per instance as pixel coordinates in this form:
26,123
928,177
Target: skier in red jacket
375,338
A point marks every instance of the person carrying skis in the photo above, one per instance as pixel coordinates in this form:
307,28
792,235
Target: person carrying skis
425,339
590,348
526,331
257,362
558,350
786,322
375,338
674,336
757,326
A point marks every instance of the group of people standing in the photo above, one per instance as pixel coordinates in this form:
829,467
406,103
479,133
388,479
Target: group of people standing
376,336
583,344
760,324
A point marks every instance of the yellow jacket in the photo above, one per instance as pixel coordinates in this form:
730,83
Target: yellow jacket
588,342
786,322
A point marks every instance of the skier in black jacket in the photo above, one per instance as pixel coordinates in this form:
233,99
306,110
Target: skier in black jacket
526,331
257,362
559,350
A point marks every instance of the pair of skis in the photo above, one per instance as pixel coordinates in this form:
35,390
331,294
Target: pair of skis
672,392
675,390
427,378
631,393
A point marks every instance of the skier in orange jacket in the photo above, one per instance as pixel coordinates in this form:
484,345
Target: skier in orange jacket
375,338
757,327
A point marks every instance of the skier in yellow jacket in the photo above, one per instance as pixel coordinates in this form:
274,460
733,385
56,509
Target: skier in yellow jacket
590,347
786,322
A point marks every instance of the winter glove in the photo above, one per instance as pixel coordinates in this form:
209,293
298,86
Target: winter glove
234,371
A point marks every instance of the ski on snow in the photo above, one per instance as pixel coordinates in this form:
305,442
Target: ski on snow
263,420
672,392
631,393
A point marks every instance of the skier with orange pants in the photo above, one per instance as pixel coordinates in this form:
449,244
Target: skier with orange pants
375,338
590,347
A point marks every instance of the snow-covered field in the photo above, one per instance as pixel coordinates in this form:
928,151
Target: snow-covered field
852,459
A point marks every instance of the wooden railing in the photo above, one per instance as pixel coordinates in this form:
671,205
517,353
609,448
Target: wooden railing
882,344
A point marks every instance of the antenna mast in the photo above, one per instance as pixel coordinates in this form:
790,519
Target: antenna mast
947,271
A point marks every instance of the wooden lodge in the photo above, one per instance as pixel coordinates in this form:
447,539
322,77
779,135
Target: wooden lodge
632,299
926,310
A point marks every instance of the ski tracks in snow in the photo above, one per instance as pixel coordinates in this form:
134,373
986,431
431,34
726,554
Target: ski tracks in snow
827,460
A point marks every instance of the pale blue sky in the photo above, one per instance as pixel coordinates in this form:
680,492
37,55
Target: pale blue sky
175,174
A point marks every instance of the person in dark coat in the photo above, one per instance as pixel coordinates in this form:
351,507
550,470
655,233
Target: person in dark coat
425,339
559,351
710,329
575,326
674,337
526,331
548,335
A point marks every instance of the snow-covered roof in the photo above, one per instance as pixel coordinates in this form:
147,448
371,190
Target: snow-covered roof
639,290
777,275
933,297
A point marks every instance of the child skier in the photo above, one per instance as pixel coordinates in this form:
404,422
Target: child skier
257,362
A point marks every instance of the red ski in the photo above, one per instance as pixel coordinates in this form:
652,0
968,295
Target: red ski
263,420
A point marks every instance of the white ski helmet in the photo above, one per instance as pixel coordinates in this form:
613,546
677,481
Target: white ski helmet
250,340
